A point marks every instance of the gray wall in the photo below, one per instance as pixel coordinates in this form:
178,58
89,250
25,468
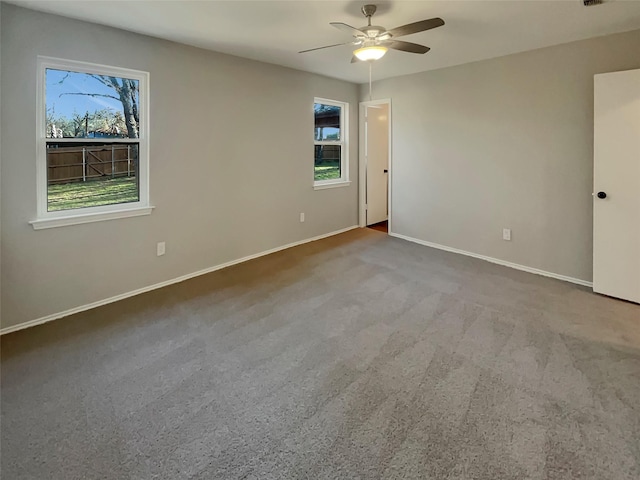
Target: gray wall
231,157
506,142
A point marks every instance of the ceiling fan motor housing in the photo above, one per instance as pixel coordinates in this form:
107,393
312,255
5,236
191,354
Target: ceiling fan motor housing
372,31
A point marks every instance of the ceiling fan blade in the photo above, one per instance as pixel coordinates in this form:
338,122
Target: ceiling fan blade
407,46
416,27
347,28
355,59
326,46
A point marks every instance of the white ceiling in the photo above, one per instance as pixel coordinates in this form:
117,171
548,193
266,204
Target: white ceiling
274,31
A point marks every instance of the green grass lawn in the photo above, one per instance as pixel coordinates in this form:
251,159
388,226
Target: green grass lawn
327,171
93,193
67,196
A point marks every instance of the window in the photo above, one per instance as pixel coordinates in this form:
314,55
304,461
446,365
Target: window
331,166
92,143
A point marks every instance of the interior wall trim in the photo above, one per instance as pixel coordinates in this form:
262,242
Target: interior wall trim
497,261
182,278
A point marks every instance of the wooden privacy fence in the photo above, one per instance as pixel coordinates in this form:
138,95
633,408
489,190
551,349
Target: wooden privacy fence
88,162
327,152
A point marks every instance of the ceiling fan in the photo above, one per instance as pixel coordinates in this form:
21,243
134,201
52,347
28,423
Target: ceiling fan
374,40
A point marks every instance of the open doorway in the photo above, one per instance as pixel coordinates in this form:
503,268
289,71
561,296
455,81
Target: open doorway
375,161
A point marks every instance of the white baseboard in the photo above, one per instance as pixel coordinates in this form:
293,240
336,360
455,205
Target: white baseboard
122,296
517,266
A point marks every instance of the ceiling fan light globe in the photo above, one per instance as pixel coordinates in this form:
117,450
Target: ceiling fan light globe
375,52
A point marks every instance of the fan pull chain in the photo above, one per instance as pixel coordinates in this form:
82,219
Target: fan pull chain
370,66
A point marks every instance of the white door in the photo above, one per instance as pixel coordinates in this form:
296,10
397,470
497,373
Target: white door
616,179
377,161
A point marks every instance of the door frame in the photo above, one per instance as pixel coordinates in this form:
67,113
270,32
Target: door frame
362,162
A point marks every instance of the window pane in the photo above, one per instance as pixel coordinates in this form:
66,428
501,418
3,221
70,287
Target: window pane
327,162
327,122
83,105
91,174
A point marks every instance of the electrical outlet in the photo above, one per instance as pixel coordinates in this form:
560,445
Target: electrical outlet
506,234
301,217
160,249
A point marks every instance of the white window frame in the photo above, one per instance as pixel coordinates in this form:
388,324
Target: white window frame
47,219
343,181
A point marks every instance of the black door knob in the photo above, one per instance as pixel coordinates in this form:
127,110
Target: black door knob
602,195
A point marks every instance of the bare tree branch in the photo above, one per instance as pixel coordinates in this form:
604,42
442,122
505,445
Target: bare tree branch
115,84
91,95
101,79
65,77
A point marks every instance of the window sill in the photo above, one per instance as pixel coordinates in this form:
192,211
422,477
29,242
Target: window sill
323,186
64,221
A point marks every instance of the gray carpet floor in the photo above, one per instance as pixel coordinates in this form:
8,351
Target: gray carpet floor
355,357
